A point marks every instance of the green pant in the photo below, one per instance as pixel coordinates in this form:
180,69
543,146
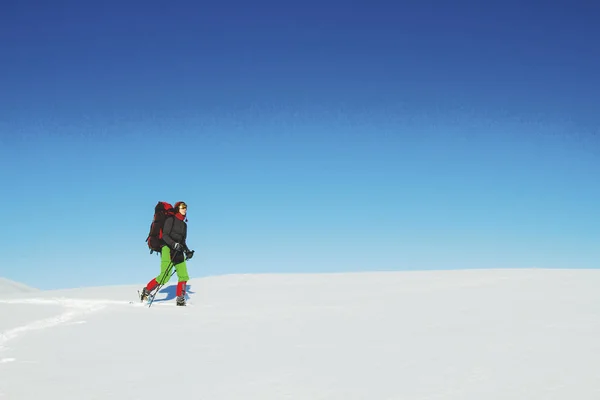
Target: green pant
165,271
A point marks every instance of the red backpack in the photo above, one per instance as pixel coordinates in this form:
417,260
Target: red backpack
161,212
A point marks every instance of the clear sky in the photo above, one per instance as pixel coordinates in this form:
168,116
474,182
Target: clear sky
310,136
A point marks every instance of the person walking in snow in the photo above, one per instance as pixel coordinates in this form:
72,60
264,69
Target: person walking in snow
173,253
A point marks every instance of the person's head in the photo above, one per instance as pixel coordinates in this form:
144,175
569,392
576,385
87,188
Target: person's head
181,207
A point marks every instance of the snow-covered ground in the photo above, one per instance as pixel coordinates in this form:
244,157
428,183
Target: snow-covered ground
468,335
10,287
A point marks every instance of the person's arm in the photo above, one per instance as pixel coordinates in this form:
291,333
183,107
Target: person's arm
167,232
188,253
184,241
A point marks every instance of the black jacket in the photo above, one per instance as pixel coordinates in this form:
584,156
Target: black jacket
175,231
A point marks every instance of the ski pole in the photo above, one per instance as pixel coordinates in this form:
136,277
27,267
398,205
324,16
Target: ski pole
161,285
164,279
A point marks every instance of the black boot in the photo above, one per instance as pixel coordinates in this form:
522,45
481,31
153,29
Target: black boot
181,301
145,294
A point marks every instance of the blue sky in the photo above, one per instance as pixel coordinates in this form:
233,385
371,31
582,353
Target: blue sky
305,137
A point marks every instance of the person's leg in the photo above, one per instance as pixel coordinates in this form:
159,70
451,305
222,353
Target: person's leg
165,273
182,278
151,285
166,267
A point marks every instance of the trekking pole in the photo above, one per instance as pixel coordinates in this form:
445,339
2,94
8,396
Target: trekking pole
162,284
164,280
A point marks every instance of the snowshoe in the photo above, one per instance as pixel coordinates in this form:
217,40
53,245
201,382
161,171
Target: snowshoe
144,295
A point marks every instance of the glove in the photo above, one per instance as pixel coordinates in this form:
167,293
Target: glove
177,247
189,254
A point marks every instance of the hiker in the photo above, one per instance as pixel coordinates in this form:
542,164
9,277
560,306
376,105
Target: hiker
173,252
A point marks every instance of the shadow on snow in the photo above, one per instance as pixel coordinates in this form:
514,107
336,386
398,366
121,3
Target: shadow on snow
171,293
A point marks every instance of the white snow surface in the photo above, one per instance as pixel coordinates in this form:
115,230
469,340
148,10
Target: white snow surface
468,335
9,287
